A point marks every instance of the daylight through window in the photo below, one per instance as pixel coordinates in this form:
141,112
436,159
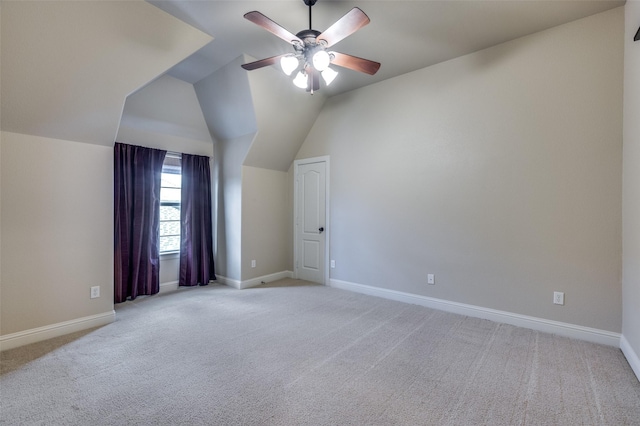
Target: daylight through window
170,204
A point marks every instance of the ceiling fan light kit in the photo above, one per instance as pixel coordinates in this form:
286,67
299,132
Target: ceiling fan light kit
311,57
289,64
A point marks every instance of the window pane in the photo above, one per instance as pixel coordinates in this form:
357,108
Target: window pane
170,228
169,244
170,194
169,213
170,180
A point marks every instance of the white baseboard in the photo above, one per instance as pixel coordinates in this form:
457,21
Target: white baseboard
539,324
21,338
227,281
632,357
254,282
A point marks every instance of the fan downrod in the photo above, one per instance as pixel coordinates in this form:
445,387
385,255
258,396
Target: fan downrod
309,3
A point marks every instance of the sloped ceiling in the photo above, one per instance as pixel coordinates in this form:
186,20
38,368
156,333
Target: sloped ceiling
284,118
67,67
403,35
226,102
166,109
236,103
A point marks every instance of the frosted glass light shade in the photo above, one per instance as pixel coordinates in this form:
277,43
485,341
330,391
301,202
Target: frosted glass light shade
321,60
300,80
329,75
288,64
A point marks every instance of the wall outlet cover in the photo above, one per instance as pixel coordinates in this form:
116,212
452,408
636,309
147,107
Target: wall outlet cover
558,298
95,292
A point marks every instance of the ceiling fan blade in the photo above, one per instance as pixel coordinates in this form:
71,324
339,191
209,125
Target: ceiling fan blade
269,25
355,63
262,63
345,26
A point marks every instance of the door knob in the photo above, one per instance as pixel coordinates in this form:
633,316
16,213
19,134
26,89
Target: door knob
321,229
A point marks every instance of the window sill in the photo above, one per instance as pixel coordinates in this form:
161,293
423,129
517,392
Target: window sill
170,255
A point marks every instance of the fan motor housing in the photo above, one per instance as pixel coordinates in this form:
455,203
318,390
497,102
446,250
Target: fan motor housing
308,36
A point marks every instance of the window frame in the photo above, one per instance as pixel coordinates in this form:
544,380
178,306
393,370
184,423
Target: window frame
170,203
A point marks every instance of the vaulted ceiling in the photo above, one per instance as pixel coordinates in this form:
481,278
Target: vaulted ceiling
68,66
403,35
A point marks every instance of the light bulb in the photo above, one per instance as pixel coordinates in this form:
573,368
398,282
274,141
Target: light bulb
321,60
300,80
329,75
289,64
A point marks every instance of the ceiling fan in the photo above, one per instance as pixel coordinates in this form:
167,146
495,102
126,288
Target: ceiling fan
311,57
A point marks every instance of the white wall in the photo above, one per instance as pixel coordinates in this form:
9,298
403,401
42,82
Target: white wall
265,222
499,172
631,189
57,231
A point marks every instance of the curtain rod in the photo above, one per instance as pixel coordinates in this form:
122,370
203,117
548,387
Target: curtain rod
179,155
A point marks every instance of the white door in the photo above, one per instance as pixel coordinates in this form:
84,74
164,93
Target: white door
310,221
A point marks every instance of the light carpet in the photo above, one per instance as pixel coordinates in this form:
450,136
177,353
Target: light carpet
291,354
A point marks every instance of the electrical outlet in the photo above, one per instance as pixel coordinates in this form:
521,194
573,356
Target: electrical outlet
95,292
253,263
558,298
333,263
431,279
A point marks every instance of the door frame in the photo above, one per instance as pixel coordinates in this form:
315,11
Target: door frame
327,225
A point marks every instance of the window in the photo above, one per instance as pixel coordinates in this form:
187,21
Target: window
170,204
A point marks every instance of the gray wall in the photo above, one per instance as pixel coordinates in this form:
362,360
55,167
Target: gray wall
499,172
57,231
229,155
631,184
58,90
266,222
225,100
256,142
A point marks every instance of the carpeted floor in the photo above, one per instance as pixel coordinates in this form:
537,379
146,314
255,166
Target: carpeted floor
287,354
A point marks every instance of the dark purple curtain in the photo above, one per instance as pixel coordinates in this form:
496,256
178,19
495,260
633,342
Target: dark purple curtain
196,240
137,172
